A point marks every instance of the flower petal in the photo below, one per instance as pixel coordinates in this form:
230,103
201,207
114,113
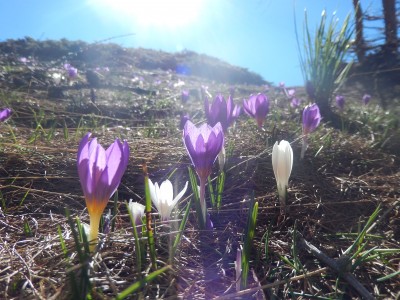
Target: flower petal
180,195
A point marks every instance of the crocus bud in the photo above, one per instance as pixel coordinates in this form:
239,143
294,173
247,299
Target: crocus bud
282,162
340,101
311,120
137,211
366,98
5,114
185,96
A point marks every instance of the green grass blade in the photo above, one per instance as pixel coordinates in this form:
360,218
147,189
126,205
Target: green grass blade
3,203
220,188
115,211
181,229
362,234
212,194
62,241
193,182
141,283
150,236
24,197
384,278
247,246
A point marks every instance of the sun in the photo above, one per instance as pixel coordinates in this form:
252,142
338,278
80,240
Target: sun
161,14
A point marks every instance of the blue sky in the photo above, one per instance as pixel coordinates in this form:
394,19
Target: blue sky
254,34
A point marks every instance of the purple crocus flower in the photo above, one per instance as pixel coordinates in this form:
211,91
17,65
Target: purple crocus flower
5,114
72,72
311,118
290,93
203,145
221,111
257,106
340,101
185,96
100,172
366,98
295,102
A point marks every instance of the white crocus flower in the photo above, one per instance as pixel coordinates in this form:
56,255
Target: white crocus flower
137,211
163,197
57,78
282,162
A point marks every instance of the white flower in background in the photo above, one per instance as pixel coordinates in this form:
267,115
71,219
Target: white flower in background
137,211
163,197
179,83
282,162
57,77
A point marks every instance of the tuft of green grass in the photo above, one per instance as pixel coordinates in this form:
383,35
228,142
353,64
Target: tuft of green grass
141,283
322,56
217,191
248,240
195,189
81,285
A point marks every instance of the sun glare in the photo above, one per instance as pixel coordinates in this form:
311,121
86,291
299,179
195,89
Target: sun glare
170,14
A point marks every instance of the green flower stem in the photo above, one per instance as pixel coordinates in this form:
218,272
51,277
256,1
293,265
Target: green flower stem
304,146
203,204
150,234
